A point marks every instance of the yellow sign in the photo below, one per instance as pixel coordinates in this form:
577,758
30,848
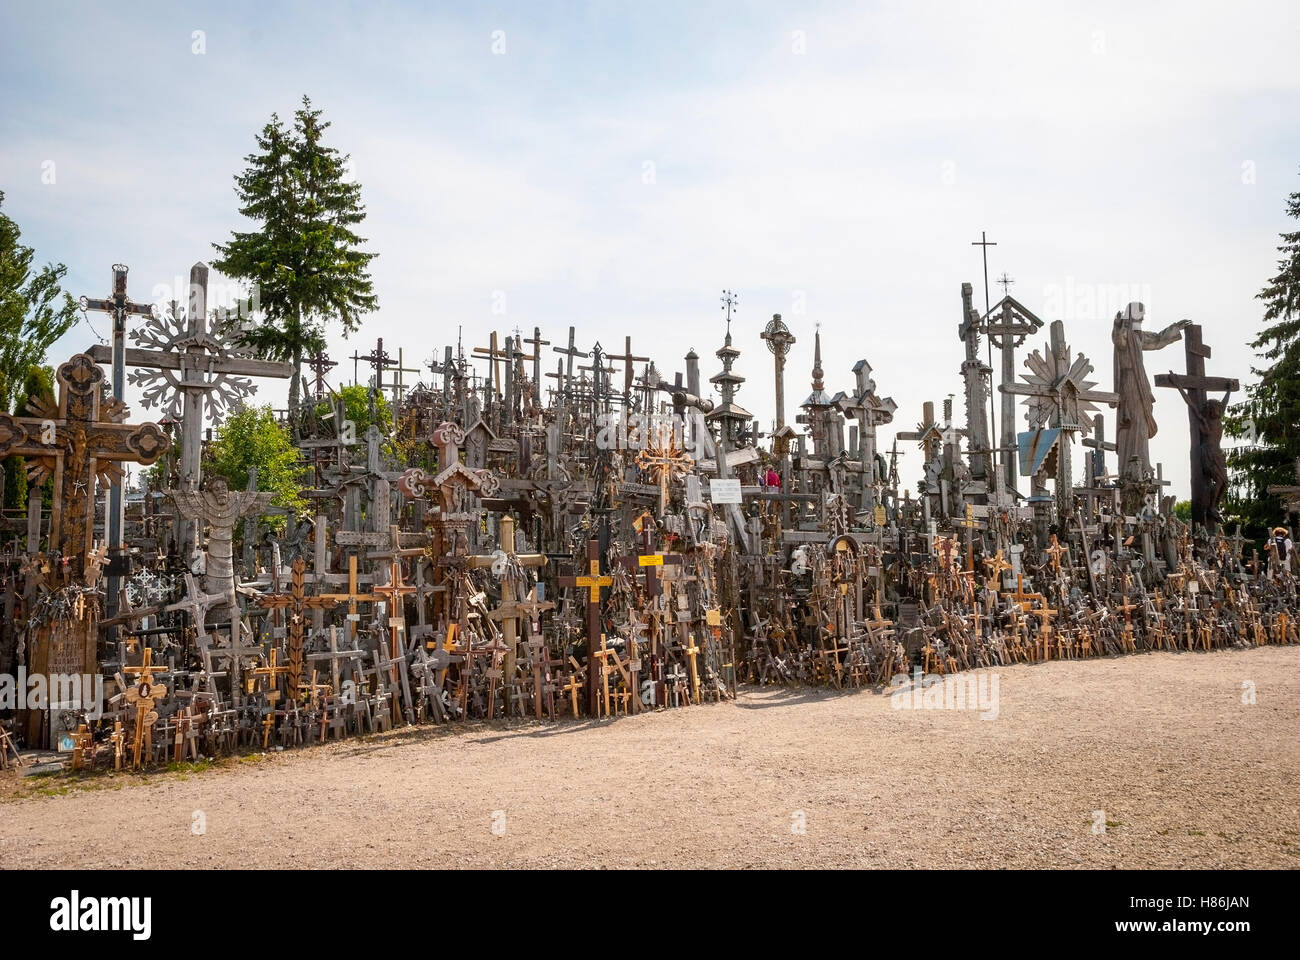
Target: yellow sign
881,519
594,584
652,561
713,618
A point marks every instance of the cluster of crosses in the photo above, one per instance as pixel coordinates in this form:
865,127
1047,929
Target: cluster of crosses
532,530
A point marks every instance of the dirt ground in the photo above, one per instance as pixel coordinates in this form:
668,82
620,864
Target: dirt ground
1160,747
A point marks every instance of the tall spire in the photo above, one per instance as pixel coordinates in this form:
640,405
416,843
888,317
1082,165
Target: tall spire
819,396
817,383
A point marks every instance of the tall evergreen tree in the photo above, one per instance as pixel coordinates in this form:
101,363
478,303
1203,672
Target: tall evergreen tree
1269,418
305,257
34,312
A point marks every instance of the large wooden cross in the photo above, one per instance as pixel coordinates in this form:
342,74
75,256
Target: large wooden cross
352,597
537,343
509,610
379,361
76,444
494,355
1205,422
628,359
119,306
1059,395
296,602
649,561
1099,446
188,369
570,352
593,582
1014,323
927,432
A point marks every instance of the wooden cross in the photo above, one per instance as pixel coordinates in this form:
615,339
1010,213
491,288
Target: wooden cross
1204,418
334,655
537,343
352,597
1054,551
509,609
83,748
190,370
296,602
532,608
397,386
996,566
691,651
945,548
272,672
430,689
320,364
144,696
879,626
1045,615
378,359
1007,333
398,676
1099,446
394,591
1025,601
593,581
569,354
970,525
573,685
628,359
650,561
494,356
75,444
927,432
664,462
119,306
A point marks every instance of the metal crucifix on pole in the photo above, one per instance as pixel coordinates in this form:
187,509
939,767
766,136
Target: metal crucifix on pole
119,306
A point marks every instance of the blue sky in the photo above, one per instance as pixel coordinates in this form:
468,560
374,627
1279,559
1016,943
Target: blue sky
618,164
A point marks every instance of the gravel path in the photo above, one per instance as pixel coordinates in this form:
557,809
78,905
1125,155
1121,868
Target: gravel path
1185,773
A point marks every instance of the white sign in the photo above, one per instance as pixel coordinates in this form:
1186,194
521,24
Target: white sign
724,491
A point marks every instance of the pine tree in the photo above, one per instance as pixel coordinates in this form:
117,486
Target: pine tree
305,258
1269,418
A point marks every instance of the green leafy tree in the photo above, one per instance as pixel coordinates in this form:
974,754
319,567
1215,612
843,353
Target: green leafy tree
34,311
304,257
357,408
252,437
1269,418
39,384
